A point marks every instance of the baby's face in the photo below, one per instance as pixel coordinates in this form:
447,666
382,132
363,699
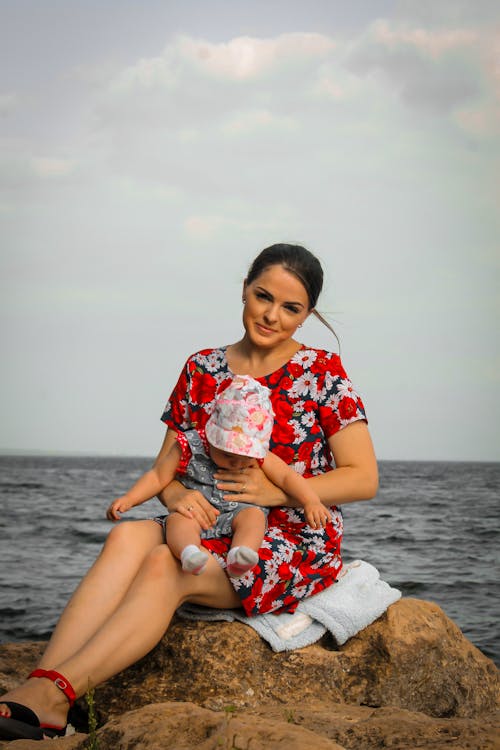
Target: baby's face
232,461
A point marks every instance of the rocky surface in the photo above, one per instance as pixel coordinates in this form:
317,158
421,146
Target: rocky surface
411,679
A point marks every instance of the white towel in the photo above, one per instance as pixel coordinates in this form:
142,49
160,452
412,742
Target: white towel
345,608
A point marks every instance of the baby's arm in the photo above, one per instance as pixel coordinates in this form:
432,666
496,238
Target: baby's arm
147,486
297,487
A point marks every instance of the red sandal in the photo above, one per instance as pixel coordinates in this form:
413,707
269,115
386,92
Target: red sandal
23,723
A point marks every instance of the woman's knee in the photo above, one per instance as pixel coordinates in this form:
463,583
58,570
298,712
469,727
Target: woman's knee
125,538
160,562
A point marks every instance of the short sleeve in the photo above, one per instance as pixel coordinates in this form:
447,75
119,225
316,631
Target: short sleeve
191,402
339,403
176,412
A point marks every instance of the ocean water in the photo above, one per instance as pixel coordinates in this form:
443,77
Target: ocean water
432,532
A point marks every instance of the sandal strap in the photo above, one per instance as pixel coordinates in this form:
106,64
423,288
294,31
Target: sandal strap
61,682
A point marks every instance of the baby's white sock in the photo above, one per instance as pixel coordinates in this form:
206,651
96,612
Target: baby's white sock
193,559
240,560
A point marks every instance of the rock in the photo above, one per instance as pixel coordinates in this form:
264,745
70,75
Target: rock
413,657
411,678
183,726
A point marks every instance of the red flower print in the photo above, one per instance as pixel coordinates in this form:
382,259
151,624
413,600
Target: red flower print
265,553
286,453
283,410
304,451
284,572
283,433
347,408
219,546
295,370
329,420
203,388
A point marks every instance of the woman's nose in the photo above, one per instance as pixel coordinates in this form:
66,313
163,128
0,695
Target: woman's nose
271,313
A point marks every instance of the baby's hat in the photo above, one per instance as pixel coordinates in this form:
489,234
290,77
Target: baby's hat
242,419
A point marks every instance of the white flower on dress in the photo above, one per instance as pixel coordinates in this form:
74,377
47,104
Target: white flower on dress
220,377
306,385
247,579
299,467
295,515
337,519
314,463
288,553
305,358
213,361
271,566
299,591
318,545
330,380
344,388
300,433
272,580
275,533
308,419
298,408
333,401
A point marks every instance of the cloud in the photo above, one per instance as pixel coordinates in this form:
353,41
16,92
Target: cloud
247,123
434,70
245,58
52,167
8,103
432,42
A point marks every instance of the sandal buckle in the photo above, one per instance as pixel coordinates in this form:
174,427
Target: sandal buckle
61,684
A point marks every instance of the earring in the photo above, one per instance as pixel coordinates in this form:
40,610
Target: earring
300,325
244,300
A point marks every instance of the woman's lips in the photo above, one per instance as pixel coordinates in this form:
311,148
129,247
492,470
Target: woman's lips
264,329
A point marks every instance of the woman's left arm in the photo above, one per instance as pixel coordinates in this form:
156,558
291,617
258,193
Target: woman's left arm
354,478
356,474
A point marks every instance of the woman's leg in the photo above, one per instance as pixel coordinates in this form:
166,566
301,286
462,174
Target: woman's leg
133,629
102,588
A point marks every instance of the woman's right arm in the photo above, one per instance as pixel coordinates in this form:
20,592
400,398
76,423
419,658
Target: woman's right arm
178,499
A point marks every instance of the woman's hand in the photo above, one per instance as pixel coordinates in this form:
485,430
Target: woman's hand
249,486
191,504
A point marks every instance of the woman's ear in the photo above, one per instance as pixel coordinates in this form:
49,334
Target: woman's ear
244,292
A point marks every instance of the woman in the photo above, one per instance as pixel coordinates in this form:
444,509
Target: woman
124,604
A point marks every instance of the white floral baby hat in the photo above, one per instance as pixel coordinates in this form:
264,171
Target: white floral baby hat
242,419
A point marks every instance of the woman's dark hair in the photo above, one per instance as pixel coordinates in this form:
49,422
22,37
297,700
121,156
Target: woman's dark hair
301,263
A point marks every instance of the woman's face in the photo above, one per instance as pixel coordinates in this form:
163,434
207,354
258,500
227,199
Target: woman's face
276,303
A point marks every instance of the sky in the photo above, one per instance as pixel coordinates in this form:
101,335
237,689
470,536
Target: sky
149,150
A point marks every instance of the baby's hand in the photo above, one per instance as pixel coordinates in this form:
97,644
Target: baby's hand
120,505
317,516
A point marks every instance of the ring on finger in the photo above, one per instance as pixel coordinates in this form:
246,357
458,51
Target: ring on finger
189,507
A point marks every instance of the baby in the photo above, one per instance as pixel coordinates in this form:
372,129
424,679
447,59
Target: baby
236,437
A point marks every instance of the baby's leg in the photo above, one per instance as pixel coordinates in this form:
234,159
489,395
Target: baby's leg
183,539
249,527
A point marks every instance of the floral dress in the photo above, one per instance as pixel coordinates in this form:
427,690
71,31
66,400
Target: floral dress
312,399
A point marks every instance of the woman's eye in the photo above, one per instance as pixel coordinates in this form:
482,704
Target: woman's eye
292,309
262,295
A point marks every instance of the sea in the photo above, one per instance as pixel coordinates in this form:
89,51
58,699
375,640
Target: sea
432,532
